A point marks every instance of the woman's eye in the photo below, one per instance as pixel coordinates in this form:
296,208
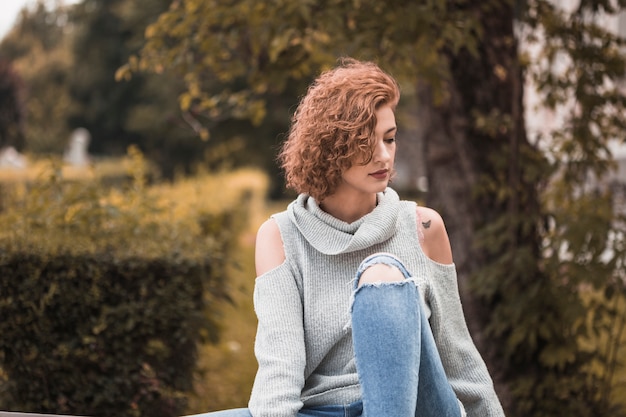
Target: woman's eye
390,140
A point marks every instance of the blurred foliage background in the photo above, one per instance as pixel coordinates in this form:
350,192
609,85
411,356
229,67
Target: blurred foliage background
203,89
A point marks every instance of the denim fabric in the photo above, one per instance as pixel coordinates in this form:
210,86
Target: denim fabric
397,361
350,410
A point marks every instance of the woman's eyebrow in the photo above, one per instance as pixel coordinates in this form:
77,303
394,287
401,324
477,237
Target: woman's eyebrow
391,129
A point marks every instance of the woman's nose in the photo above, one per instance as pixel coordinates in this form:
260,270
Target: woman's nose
381,153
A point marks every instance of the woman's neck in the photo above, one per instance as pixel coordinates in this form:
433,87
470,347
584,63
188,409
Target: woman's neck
348,208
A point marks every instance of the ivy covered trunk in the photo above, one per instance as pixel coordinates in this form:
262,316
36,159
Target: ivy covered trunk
531,258
484,179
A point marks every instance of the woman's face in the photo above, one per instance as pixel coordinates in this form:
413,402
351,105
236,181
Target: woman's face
374,176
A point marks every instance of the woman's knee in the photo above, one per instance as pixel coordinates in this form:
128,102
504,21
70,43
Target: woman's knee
380,273
381,267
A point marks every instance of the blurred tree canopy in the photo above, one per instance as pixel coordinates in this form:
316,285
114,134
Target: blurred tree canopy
35,48
141,111
530,249
67,57
11,108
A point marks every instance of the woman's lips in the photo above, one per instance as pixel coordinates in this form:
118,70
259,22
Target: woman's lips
380,175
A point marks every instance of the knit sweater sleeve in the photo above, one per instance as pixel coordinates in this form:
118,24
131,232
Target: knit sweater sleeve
279,345
462,362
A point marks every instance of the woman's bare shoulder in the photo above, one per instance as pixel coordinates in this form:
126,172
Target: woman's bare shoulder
269,250
435,244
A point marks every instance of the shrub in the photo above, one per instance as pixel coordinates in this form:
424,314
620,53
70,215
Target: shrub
98,335
104,296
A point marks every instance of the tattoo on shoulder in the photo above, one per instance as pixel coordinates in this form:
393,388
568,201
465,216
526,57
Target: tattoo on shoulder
426,224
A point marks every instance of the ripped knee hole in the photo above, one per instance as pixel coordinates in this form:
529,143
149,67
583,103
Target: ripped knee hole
380,273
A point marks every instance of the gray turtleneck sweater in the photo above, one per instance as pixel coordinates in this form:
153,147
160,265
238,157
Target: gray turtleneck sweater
303,343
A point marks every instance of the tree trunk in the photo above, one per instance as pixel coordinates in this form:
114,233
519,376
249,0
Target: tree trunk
477,138
452,174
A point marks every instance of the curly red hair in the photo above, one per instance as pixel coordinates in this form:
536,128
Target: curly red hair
333,126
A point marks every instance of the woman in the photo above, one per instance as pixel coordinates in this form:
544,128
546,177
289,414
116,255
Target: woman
356,294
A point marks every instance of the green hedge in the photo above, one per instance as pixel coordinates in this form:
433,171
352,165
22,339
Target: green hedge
103,301
96,335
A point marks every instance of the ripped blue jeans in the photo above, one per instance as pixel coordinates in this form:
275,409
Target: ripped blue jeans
397,361
399,367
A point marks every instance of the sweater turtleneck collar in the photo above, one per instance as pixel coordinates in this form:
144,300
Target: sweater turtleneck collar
332,236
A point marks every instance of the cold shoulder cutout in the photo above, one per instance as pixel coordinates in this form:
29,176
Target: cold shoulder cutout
269,251
433,235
